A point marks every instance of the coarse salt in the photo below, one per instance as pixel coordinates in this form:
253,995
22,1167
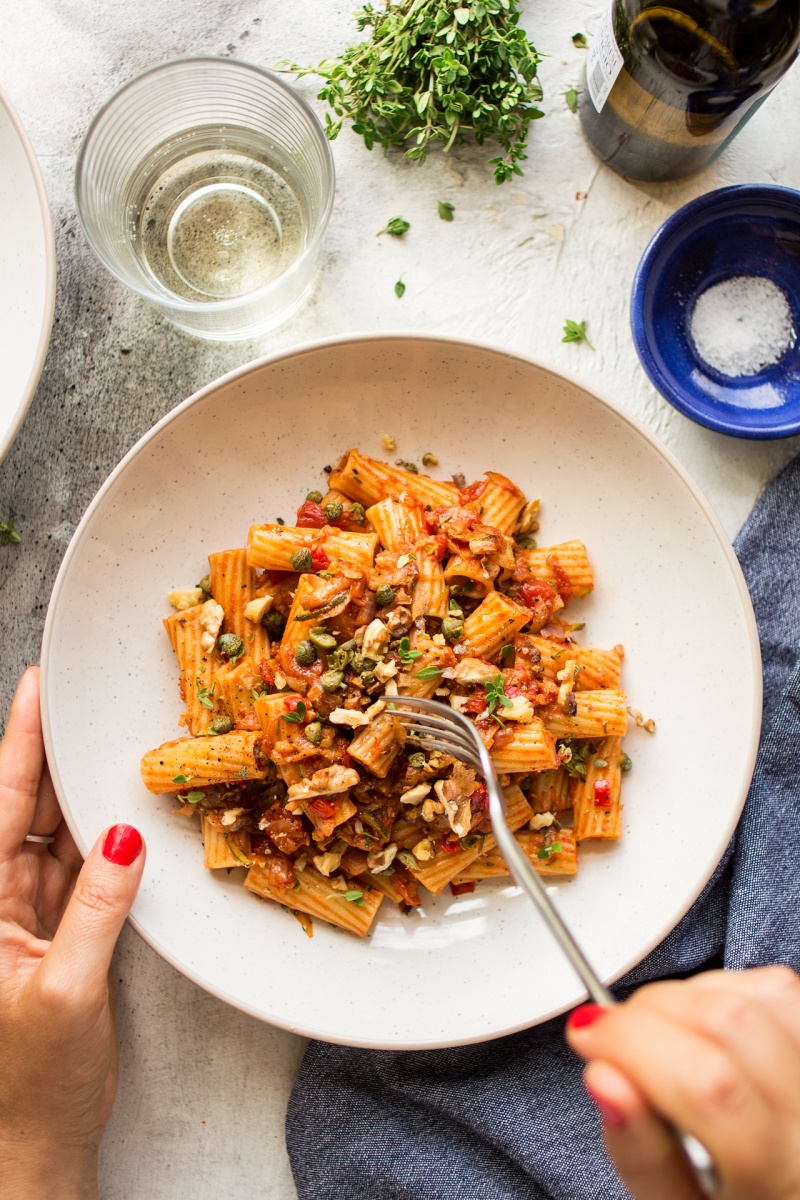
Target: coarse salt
741,325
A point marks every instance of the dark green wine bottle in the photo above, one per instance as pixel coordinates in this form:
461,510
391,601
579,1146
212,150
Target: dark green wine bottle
668,85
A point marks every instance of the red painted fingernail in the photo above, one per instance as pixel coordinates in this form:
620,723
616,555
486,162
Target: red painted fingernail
610,1114
587,1014
123,845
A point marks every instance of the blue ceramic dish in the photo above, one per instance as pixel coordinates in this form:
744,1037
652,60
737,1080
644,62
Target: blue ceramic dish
742,230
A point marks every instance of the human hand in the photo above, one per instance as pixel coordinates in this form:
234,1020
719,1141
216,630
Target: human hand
58,927
718,1055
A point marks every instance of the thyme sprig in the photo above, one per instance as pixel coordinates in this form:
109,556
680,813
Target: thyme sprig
433,71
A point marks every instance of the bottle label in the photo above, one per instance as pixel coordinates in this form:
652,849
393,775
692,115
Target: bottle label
604,62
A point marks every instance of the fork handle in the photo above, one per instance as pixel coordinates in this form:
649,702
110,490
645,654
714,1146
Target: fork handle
697,1156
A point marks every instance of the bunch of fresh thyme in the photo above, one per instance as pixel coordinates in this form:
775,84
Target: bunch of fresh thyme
432,71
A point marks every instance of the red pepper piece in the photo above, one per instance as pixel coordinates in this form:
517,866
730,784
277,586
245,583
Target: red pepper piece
450,845
319,559
602,793
323,808
536,589
461,889
310,515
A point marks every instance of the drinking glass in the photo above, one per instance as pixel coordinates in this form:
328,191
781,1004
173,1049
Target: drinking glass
205,185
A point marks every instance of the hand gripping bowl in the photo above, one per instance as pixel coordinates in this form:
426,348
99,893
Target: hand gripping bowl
246,449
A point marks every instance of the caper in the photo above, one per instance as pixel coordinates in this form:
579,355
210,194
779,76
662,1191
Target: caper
301,560
331,680
526,543
452,629
274,622
222,725
205,585
367,678
357,513
230,644
314,732
333,510
338,659
305,653
322,639
429,460
314,496
384,595
416,760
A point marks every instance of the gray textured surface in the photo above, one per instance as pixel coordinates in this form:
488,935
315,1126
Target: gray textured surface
203,1088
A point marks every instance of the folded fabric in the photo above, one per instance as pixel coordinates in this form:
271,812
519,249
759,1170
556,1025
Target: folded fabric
509,1119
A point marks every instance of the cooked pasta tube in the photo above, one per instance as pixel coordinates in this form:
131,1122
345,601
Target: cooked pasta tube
204,761
197,666
397,524
597,714
233,585
499,503
314,894
525,748
271,547
492,865
596,799
236,683
549,791
492,625
597,668
368,481
217,850
565,567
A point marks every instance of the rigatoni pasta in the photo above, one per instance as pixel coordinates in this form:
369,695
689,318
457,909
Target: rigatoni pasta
293,648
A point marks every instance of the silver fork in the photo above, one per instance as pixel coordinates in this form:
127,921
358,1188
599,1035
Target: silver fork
436,726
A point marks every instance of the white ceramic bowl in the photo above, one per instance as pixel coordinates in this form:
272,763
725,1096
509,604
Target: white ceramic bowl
27,273
247,449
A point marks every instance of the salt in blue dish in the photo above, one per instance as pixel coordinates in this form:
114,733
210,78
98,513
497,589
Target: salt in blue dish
748,229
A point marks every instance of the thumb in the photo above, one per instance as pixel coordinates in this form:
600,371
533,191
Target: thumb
80,953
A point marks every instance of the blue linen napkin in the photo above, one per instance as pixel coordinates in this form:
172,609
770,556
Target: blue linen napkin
509,1119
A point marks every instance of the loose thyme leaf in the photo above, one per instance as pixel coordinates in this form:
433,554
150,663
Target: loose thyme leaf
355,897
579,41
8,534
428,673
575,331
446,210
547,851
204,694
180,779
296,715
395,228
571,99
431,74
495,695
195,797
407,655
399,289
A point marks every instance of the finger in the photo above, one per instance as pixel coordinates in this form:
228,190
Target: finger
79,958
776,988
740,1020
21,763
64,848
645,1153
683,1075
47,813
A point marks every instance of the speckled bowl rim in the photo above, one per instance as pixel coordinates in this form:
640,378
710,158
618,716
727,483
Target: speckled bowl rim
725,199
48,308
449,343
